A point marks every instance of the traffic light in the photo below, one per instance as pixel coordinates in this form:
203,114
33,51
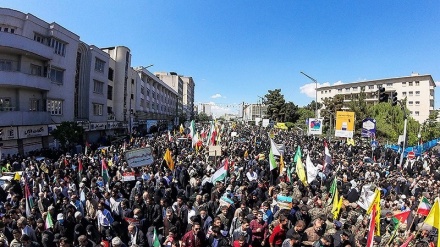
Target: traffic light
394,98
383,97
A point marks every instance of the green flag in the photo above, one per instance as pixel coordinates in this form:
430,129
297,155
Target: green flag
298,155
156,242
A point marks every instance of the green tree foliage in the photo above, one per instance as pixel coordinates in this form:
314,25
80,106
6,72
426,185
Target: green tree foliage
275,105
360,107
68,134
303,114
202,117
431,128
312,104
334,104
291,112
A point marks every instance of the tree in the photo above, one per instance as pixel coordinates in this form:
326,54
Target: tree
303,114
312,104
291,112
68,134
431,127
182,118
202,117
274,101
359,106
334,104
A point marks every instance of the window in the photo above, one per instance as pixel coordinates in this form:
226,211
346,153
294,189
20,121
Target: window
132,96
417,83
417,113
40,38
142,89
110,74
378,85
36,70
55,107
404,83
5,102
410,83
340,90
404,93
411,112
34,105
410,103
347,90
97,109
99,65
154,95
59,46
417,93
148,92
355,88
322,92
417,102
329,91
5,65
56,75
98,87
410,93
371,87
389,84
109,92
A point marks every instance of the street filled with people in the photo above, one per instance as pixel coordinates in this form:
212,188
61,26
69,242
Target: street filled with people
228,185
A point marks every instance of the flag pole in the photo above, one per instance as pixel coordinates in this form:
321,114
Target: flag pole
414,218
394,234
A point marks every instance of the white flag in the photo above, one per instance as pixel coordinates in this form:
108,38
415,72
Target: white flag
312,170
366,197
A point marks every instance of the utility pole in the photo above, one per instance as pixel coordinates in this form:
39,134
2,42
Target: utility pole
316,92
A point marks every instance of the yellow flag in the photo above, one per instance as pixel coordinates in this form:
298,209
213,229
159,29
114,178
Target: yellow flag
433,217
181,129
335,202
338,207
17,176
350,141
246,154
376,201
167,157
110,163
281,165
300,171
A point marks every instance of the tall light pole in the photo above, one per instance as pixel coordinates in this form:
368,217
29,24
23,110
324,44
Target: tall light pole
316,92
260,105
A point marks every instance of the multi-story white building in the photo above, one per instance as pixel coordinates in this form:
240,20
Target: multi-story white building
175,81
417,89
37,74
205,108
253,111
156,103
188,96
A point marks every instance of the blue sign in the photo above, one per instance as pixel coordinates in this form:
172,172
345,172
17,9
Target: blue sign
373,143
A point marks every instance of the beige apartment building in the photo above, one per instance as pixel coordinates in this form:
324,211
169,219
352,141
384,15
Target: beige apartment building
419,91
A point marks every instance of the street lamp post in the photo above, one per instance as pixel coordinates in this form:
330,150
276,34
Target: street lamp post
316,92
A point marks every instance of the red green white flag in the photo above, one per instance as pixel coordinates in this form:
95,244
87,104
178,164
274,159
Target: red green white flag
424,207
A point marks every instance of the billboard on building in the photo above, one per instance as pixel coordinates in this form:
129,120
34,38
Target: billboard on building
344,124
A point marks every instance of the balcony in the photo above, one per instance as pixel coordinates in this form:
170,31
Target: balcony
13,118
17,44
18,79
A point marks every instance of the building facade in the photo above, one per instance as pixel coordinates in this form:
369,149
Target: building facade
253,112
418,90
48,75
37,72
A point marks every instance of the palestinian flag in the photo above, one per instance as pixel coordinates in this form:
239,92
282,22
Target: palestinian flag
104,175
156,242
424,207
49,221
221,173
401,217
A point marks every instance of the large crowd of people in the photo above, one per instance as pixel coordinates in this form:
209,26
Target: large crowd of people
87,199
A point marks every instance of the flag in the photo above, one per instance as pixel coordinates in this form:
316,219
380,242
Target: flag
338,207
167,157
49,221
281,165
246,154
156,242
17,176
104,173
300,171
424,207
402,216
335,201
80,168
273,151
433,217
312,171
221,173
169,137
376,205
328,157
210,133
333,187
86,148
298,154
29,200
366,197
181,129
350,141
372,226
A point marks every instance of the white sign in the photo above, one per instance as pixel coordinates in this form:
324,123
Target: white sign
98,126
8,133
139,157
128,176
265,122
233,133
114,125
32,131
315,126
215,150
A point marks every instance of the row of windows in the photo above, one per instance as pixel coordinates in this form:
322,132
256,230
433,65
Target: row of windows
411,102
347,89
58,45
7,29
411,93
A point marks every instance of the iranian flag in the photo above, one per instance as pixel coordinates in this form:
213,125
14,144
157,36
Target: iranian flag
372,226
328,157
221,173
424,207
80,168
